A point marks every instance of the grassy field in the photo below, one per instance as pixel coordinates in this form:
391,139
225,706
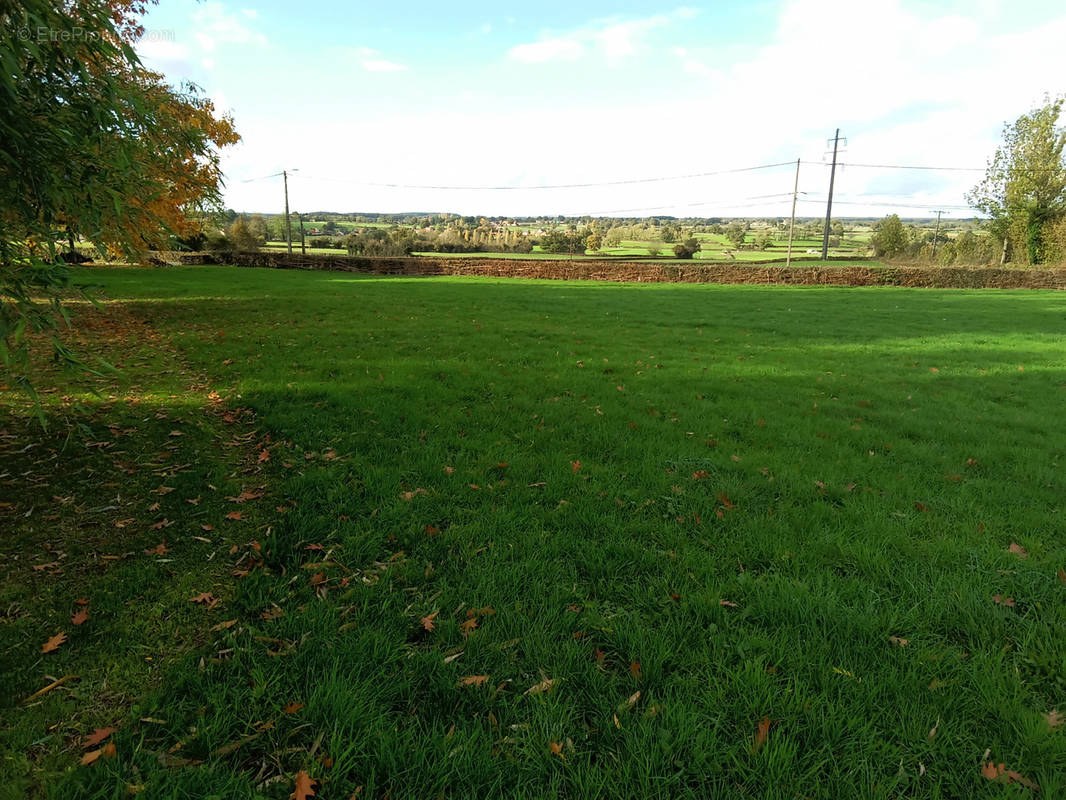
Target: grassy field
541,539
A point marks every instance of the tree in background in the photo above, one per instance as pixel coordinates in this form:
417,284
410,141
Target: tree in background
247,233
1024,189
687,248
557,241
593,242
764,240
890,237
92,146
735,232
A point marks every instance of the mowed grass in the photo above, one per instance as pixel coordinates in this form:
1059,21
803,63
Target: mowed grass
545,539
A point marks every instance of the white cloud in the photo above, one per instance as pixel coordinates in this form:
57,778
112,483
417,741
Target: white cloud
370,60
162,50
251,13
381,65
214,25
614,40
547,50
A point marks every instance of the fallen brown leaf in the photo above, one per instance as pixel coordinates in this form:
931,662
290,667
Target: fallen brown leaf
80,616
761,733
53,644
542,687
304,786
474,680
97,736
1000,774
1018,550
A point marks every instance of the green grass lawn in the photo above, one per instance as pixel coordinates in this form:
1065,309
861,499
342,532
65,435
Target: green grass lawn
544,539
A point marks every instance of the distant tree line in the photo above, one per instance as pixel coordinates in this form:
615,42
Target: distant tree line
893,239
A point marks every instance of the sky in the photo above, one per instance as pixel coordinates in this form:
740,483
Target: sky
351,96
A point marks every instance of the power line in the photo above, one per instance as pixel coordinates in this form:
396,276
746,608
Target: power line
911,166
552,186
730,202
875,204
264,177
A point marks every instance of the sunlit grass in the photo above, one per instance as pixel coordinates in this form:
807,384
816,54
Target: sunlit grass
588,471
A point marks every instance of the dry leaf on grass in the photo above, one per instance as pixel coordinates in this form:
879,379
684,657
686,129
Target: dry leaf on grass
53,644
542,687
97,736
1000,774
107,751
304,786
1018,550
761,733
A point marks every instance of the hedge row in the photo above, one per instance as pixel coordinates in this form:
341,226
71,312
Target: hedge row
636,272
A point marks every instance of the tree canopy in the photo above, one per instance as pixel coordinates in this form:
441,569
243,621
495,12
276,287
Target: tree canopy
1023,192
92,145
890,237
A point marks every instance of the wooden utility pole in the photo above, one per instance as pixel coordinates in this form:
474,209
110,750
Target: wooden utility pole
792,223
303,237
288,222
936,233
829,205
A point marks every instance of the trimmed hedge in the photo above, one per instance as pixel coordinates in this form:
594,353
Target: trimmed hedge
636,272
